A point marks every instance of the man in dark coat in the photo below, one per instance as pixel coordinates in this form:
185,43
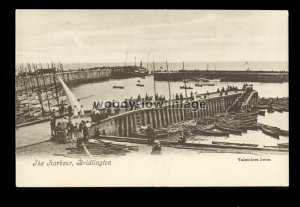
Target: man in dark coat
53,126
150,134
80,128
85,132
70,111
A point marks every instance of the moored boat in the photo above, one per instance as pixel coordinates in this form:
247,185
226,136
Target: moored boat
269,132
228,129
183,87
121,87
261,113
208,84
242,115
141,85
283,145
283,132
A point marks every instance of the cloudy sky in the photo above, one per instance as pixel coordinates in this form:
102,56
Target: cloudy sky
82,36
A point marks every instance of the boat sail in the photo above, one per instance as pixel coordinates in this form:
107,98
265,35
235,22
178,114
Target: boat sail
70,96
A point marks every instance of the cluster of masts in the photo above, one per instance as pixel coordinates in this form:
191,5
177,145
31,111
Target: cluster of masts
36,69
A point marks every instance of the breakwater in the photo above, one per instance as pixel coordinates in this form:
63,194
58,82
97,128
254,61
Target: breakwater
70,78
130,122
232,76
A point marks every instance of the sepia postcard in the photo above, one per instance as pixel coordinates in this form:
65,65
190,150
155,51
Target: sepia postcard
154,98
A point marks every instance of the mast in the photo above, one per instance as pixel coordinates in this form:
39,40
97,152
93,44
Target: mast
126,58
148,61
135,61
184,83
39,91
27,95
168,81
51,86
62,70
55,85
45,89
154,81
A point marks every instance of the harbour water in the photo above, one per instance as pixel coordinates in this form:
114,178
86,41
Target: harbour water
103,91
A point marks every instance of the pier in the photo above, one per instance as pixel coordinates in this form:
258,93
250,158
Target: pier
70,78
224,75
130,122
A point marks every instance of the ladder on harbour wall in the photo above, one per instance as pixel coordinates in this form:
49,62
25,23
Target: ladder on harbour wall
188,114
222,105
138,122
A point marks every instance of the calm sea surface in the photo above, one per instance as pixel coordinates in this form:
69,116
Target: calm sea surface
236,65
103,91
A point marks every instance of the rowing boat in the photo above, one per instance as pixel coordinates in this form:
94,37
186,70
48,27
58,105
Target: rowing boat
121,87
245,114
183,87
278,130
141,85
228,129
245,127
269,132
283,132
283,145
261,113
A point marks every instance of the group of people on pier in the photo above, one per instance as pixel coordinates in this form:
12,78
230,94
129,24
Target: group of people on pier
71,111
181,98
66,127
225,91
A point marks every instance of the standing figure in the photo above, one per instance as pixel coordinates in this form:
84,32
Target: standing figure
64,123
70,111
81,111
71,131
85,132
181,97
150,134
76,131
80,128
53,126
181,139
75,112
